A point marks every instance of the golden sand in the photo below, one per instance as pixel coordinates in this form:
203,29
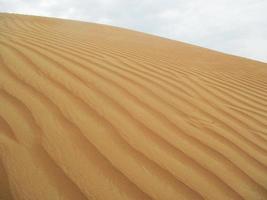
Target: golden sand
89,111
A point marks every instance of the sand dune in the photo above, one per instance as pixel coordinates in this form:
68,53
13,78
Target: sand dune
89,111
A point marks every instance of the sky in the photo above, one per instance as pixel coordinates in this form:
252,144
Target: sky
237,27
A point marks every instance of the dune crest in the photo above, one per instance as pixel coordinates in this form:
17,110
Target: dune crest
90,111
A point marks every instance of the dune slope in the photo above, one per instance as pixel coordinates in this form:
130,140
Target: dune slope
89,111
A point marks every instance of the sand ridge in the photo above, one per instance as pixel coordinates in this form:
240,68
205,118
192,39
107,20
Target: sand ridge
90,111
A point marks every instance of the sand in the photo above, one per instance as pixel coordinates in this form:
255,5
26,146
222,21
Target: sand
90,111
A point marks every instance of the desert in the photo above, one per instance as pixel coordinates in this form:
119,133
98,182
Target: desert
91,111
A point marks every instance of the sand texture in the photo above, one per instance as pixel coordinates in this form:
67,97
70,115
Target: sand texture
90,111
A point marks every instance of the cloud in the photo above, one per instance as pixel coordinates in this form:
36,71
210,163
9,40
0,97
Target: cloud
236,27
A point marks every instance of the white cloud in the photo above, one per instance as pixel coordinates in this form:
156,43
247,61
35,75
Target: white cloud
236,27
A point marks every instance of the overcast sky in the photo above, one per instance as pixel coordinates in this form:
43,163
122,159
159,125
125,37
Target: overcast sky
236,27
